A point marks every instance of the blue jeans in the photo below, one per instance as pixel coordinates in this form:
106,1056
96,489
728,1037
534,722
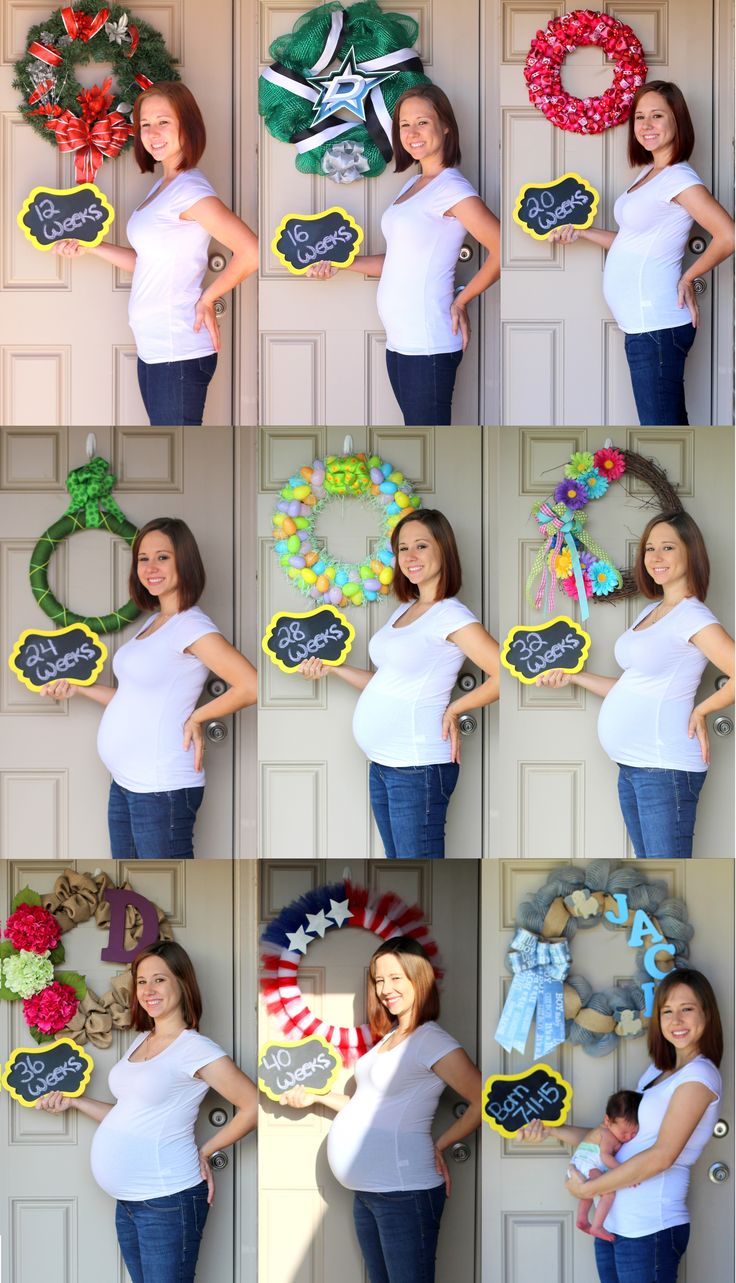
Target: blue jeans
657,368
152,826
423,385
658,807
160,1237
397,1233
174,392
651,1259
410,807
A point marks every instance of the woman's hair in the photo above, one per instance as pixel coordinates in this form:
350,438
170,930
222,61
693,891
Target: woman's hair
189,569
623,1104
192,132
180,965
684,132
451,577
698,564
417,968
661,1052
451,154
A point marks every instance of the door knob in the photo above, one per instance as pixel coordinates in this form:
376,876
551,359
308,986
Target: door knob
218,1160
466,253
721,1128
467,724
217,261
218,1116
216,686
221,306
460,1153
467,681
216,732
720,681
699,285
459,1108
723,726
718,1173
696,244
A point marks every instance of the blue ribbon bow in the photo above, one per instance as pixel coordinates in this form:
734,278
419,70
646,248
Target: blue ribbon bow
539,969
567,529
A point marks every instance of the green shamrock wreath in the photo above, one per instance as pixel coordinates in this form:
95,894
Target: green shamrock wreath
299,98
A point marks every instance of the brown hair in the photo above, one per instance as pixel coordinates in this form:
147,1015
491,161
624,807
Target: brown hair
661,1052
192,133
189,568
684,132
180,966
451,154
417,967
698,564
451,577
623,1104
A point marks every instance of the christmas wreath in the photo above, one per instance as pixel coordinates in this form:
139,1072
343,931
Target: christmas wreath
300,99
59,108
92,507
55,1001
543,68
618,896
285,942
307,563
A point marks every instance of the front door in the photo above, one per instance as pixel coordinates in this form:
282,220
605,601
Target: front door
296,1186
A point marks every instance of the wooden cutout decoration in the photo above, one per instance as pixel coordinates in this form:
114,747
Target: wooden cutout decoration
293,636
52,214
32,1072
74,654
510,1101
330,237
119,899
531,649
311,1063
541,207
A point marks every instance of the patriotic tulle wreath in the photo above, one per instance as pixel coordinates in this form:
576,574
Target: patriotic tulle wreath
543,71
330,908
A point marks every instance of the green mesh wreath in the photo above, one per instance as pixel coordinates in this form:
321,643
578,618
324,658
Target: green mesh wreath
92,507
361,43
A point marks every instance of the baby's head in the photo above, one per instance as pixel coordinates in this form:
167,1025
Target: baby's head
621,1117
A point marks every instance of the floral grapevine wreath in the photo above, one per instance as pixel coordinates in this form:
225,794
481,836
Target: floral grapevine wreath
569,556
61,1001
543,68
92,507
285,942
564,1006
58,107
316,574
300,99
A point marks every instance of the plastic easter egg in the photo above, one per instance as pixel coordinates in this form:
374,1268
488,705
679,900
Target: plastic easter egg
386,469
371,596
289,526
323,583
298,562
401,499
386,576
341,578
293,543
330,572
310,558
301,523
335,596
393,509
353,576
301,492
398,477
358,599
388,487
280,546
309,576
386,556
365,572
350,589
295,508
371,585
376,476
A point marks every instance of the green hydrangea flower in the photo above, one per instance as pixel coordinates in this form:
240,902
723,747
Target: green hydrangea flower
27,973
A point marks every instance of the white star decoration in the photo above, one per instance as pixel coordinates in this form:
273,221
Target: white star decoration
339,911
317,923
298,940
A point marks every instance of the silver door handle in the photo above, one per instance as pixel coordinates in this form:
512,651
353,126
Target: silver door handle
216,732
218,1116
460,1152
216,261
696,244
218,1160
718,1173
216,686
467,724
467,682
466,253
700,285
221,306
721,1128
723,726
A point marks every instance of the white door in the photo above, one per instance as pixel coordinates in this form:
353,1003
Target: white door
552,763
295,1184
53,787
554,318
50,1203
67,351
322,344
529,1218
310,765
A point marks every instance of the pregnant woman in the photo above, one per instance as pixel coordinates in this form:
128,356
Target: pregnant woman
173,320
649,723
143,1152
652,299
426,322
405,722
380,1145
151,736
681,1090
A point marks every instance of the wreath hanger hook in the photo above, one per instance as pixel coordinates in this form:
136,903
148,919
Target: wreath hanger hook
91,445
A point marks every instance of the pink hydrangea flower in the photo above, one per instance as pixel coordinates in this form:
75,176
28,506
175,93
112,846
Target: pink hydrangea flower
52,1009
33,928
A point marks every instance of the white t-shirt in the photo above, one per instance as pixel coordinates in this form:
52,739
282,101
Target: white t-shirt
644,263
382,1139
170,264
644,717
417,284
142,729
398,718
145,1147
660,1202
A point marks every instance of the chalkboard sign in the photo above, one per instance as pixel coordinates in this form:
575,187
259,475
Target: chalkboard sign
541,207
74,653
323,633
510,1101
531,650
310,1063
330,237
32,1072
52,214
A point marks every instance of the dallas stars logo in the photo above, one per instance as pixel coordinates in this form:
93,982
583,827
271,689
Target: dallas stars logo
346,89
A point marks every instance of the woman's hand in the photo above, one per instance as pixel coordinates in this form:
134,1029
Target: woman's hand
533,1134
54,1103
313,669
555,677
194,737
460,322
297,1098
207,1175
566,235
577,1186
70,249
321,271
60,689
451,731
697,728
686,297
441,1167
204,314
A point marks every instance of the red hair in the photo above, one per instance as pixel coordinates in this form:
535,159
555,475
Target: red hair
192,133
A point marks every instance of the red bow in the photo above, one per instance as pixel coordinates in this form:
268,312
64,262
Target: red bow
106,137
80,26
45,53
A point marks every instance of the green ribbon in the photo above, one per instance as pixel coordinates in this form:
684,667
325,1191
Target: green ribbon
91,488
